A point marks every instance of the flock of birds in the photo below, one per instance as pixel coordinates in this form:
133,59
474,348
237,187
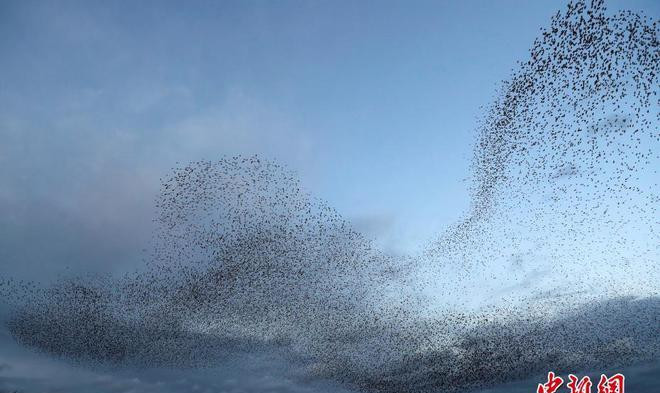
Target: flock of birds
244,260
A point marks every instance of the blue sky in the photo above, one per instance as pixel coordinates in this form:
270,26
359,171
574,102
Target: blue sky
372,103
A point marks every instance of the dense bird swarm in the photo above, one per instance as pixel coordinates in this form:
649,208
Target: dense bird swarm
244,260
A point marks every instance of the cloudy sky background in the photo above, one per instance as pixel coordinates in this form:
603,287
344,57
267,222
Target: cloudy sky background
373,104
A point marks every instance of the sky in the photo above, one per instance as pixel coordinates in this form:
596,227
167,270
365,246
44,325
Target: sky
373,104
